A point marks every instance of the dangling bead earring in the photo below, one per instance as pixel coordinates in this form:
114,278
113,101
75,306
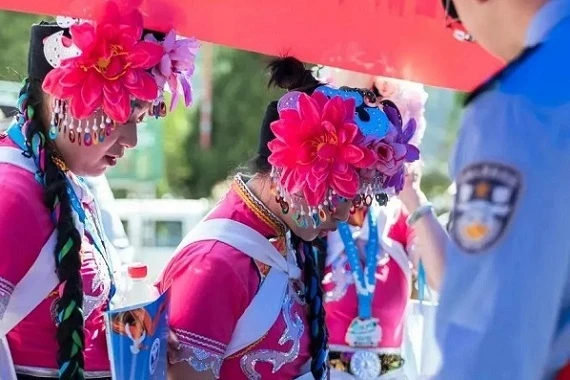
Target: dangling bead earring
53,132
299,218
55,120
87,135
109,126
79,130
94,129
316,220
101,132
322,214
71,135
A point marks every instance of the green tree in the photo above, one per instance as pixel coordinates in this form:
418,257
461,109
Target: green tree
14,40
240,97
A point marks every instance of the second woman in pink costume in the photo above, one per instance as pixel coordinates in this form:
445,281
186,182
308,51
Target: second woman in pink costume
246,296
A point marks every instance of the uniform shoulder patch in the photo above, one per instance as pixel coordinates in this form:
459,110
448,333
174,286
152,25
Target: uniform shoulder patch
485,200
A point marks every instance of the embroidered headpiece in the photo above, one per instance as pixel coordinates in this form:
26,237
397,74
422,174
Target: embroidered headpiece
325,150
101,67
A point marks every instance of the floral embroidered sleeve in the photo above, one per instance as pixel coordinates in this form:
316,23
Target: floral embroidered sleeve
24,228
208,296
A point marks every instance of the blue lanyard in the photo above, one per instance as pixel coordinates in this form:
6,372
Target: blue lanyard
364,278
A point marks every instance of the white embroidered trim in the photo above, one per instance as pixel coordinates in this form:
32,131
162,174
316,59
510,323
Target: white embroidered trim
6,290
191,339
200,352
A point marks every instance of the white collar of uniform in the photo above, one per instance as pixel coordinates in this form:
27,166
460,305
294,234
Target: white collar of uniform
547,17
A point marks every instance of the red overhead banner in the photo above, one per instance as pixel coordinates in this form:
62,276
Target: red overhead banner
404,39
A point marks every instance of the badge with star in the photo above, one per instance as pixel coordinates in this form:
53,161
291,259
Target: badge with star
486,196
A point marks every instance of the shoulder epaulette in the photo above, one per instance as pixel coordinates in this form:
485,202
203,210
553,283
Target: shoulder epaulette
492,82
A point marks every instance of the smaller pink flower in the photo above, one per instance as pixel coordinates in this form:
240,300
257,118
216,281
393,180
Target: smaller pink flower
176,66
391,156
394,150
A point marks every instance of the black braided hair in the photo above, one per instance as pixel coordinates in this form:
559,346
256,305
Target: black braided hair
314,298
70,334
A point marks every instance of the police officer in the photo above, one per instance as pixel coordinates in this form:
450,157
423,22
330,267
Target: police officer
505,305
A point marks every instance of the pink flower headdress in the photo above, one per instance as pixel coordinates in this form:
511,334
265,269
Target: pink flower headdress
104,66
317,154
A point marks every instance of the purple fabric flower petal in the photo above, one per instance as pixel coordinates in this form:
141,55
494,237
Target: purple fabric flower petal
408,131
173,84
399,151
181,66
165,66
158,77
186,89
393,116
396,181
169,40
412,153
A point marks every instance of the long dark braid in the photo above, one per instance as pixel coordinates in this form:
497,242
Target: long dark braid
314,298
70,334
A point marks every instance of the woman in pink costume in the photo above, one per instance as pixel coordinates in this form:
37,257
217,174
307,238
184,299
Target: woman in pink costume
246,295
385,242
89,84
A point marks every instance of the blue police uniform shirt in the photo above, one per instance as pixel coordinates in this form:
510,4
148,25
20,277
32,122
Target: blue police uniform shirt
505,304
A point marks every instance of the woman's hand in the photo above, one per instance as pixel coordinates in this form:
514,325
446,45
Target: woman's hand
411,195
173,344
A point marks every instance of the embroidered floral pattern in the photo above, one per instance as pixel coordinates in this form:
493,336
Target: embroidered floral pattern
100,287
6,290
200,352
293,333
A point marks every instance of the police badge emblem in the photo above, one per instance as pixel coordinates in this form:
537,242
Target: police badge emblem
485,200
